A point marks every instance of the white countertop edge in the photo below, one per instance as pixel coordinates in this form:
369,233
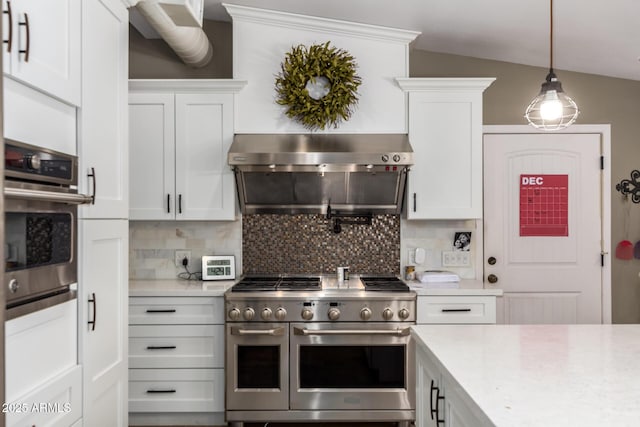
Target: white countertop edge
178,287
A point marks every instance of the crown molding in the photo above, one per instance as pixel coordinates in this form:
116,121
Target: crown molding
313,23
436,84
188,85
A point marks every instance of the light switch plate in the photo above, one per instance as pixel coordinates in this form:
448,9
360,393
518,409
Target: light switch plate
456,259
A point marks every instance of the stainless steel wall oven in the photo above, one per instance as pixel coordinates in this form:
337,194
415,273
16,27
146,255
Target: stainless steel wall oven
41,200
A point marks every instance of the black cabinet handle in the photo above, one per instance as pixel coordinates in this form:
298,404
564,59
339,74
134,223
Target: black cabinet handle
9,40
168,390
179,203
431,408
456,310
161,347
25,24
168,203
437,411
414,202
170,310
92,175
92,301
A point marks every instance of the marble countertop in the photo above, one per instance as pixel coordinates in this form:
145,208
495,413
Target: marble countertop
464,287
178,287
543,375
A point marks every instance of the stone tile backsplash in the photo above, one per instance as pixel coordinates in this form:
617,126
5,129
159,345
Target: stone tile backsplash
306,244
296,244
152,245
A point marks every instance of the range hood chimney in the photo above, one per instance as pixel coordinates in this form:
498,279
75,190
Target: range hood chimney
306,173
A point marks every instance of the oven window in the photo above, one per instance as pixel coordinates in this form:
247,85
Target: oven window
37,239
324,366
258,366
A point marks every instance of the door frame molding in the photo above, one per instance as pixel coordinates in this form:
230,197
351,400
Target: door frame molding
605,206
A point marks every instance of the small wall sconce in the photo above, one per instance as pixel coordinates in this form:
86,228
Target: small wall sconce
631,186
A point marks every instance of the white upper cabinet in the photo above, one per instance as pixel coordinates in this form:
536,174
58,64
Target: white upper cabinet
445,130
42,45
180,134
103,146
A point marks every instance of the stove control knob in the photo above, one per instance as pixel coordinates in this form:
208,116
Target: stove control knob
281,313
403,313
32,161
266,313
387,314
334,314
365,314
249,313
234,314
307,314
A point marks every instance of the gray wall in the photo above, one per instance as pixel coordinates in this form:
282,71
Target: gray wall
154,59
602,100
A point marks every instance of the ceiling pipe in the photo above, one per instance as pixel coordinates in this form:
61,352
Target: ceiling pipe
189,43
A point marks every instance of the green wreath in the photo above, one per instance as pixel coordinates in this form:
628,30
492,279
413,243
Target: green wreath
329,73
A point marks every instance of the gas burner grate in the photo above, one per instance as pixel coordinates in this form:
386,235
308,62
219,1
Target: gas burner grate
256,284
299,284
265,283
384,283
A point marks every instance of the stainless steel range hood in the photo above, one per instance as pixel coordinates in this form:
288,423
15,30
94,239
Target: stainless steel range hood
307,173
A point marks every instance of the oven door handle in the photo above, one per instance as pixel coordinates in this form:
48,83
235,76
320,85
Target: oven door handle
275,332
48,196
399,332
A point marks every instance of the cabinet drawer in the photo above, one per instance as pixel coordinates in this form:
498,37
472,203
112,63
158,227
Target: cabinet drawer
456,309
176,310
56,403
176,390
176,346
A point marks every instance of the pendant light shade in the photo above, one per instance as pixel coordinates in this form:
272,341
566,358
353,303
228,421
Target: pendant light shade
552,109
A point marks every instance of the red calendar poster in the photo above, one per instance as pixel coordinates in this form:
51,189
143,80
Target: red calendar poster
544,205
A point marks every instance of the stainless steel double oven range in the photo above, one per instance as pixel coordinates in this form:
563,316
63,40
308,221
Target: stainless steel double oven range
40,227
313,349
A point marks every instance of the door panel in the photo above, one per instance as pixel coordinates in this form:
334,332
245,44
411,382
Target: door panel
551,277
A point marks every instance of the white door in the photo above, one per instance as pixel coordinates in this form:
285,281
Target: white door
542,226
103,318
103,145
45,45
205,186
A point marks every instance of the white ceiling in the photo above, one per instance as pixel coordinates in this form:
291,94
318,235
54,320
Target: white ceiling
590,36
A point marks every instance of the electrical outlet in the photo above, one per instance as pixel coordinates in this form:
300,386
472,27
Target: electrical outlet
456,259
412,256
180,255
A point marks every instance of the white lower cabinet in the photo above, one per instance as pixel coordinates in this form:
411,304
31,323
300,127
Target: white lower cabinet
43,380
440,402
431,385
456,309
176,360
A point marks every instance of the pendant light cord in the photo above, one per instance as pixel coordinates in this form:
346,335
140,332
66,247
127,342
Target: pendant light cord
551,36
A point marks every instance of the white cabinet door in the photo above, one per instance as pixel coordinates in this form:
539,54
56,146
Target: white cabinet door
429,396
180,133
103,146
445,130
152,156
204,182
45,45
103,289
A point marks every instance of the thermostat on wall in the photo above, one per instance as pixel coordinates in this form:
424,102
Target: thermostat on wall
218,267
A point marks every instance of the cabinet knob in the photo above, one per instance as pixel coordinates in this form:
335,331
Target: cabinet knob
492,278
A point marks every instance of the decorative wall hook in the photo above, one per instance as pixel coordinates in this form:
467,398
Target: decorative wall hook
631,186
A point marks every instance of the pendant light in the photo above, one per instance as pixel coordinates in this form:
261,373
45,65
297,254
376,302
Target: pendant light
552,109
